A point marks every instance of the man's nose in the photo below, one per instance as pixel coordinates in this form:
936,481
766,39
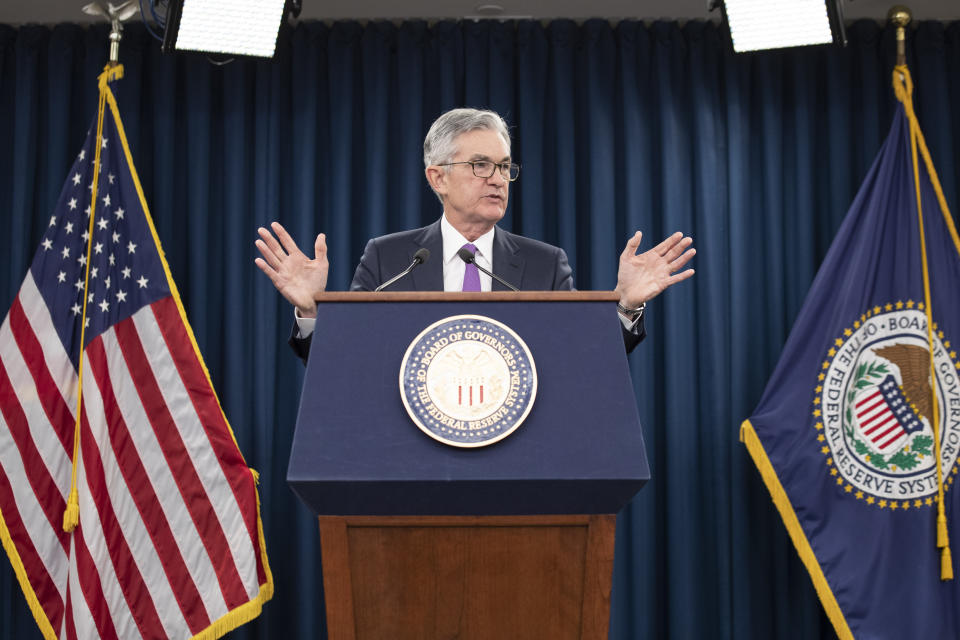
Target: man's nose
497,177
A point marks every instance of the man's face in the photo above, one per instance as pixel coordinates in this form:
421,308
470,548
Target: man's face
471,202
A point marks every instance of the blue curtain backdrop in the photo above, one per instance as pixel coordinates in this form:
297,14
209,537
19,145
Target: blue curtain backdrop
619,127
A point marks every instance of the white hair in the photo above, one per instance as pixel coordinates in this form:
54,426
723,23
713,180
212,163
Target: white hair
439,147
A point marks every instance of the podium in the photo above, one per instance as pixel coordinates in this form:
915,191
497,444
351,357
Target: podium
421,539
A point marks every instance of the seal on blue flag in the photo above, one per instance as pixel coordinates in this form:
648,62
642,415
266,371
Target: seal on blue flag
872,407
468,381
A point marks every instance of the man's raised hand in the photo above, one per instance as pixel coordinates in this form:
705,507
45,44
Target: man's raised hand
641,277
298,278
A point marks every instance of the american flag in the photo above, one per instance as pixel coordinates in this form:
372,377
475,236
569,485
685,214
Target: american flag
169,542
884,417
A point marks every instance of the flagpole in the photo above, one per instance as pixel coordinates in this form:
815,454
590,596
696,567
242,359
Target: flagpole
116,15
900,16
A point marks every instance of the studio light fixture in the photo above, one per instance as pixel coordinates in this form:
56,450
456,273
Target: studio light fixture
776,24
238,27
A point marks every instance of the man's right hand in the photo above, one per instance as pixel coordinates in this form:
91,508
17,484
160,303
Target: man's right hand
298,278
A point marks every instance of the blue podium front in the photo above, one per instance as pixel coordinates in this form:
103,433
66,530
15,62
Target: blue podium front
357,451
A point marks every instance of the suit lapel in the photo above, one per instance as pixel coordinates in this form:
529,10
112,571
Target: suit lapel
507,260
429,276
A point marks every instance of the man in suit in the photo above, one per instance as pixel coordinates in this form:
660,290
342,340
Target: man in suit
467,162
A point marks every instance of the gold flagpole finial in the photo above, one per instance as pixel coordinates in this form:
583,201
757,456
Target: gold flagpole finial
900,16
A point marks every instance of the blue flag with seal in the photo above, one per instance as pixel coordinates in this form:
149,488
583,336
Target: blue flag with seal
857,433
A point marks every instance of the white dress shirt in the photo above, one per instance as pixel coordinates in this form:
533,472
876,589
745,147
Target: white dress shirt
453,266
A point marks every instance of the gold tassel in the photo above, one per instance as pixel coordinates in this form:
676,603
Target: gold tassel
946,564
903,87
71,517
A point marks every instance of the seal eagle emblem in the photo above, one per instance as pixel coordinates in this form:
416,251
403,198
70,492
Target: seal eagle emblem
468,381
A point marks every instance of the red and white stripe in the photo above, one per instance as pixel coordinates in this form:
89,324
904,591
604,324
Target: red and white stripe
469,394
167,542
878,423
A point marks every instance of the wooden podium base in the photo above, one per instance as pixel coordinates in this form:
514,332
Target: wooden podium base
467,577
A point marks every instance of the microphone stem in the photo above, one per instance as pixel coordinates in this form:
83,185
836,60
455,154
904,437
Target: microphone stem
494,276
398,276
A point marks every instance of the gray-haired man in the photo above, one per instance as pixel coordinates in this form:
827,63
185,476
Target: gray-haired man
467,162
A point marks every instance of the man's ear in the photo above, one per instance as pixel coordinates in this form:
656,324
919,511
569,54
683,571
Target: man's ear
437,178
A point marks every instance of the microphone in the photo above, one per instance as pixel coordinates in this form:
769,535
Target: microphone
469,258
420,257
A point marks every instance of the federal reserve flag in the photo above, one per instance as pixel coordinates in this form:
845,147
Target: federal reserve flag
857,433
135,515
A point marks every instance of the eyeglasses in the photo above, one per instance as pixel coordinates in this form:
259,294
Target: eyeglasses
484,168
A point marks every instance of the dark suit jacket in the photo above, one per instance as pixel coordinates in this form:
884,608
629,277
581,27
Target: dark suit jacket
529,265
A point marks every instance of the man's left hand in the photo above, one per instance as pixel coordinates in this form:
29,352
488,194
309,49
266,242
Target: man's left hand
642,277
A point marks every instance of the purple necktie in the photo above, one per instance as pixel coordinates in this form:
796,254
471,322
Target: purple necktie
471,276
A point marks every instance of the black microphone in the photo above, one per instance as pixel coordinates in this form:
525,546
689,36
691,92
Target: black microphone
420,257
469,258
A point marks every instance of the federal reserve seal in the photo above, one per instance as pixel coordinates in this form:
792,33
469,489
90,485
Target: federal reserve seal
468,381
873,410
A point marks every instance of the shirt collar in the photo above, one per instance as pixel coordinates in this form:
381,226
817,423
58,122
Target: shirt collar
453,240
